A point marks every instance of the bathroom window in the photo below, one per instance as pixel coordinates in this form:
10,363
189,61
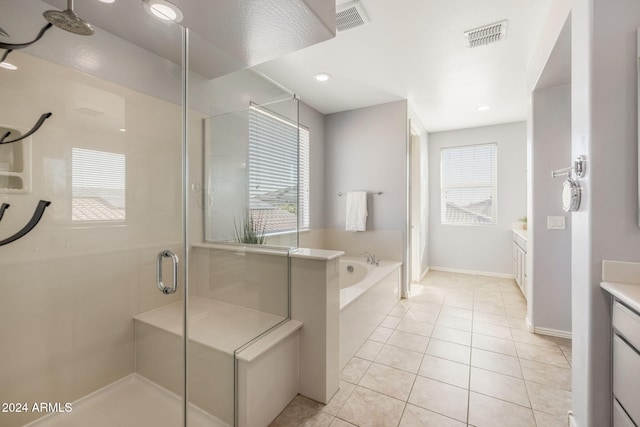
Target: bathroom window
278,149
98,186
468,185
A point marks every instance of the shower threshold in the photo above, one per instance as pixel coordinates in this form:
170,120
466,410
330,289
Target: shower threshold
132,401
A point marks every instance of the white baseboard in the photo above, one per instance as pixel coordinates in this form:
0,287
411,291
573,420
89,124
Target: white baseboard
424,273
530,326
552,332
546,331
477,273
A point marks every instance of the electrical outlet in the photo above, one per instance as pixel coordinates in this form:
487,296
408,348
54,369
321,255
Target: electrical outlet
555,223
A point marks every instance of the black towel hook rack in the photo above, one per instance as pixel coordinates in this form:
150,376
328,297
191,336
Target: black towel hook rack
33,130
13,46
37,215
3,207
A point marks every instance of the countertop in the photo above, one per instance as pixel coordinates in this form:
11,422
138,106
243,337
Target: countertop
622,280
627,293
520,232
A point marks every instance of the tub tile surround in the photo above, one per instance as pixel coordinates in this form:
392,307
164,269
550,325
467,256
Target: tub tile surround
470,377
315,301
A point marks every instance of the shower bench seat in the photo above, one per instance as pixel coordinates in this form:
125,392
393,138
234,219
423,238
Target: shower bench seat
216,331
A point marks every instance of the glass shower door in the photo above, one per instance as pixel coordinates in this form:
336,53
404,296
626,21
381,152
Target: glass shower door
93,212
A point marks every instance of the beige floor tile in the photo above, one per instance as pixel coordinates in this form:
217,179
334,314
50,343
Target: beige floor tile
369,350
381,334
497,345
415,327
492,330
552,356
549,400
390,322
389,381
529,338
415,416
439,397
426,306
546,420
450,351
455,323
421,316
408,341
368,408
493,319
546,374
444,370
459,302
485,411
302,412
516,322
452,335
399,358
337,401
398,311
460,313
337,422
489,308
496,362
354,370
499,386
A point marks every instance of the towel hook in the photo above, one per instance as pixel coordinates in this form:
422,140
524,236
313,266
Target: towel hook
37,215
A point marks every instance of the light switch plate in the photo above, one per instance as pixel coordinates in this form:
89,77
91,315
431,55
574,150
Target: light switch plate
555,223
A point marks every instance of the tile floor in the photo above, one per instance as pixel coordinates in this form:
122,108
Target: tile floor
457,353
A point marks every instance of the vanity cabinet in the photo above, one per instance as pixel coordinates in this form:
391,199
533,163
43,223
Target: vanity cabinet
626,365
520,261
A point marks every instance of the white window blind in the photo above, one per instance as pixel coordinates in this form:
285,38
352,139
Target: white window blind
468,184
98,185
277,149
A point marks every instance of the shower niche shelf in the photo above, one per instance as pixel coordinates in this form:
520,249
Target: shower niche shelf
15,163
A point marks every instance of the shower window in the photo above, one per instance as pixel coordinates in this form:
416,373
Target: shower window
278,148
98,183
468,185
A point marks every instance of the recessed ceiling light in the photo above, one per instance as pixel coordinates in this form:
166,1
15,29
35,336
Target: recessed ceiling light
164,10
8,66
108,1
322,77
484,108
122,130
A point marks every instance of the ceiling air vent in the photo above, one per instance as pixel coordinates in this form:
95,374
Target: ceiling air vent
350,15
486,35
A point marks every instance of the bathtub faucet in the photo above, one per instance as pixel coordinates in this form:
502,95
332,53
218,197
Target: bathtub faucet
371,259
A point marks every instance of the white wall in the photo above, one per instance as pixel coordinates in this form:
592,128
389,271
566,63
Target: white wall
549,251
480,248
604,127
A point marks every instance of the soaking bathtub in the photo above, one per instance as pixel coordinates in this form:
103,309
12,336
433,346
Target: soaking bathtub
367,293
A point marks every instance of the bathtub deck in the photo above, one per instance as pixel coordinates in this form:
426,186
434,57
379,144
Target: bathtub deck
222,326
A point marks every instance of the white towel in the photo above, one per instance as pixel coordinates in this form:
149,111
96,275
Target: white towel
356,211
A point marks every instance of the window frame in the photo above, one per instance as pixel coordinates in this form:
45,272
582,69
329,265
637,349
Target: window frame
303,194
493,185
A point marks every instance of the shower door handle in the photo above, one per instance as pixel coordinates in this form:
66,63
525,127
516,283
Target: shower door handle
174,262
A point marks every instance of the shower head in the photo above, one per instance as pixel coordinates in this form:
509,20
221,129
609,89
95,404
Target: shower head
69,21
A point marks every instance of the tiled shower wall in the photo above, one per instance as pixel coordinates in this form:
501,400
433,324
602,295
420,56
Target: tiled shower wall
69,290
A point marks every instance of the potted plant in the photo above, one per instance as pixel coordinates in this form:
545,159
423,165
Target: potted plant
251,229
524,222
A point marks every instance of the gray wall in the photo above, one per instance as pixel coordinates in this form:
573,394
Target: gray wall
549,251
604,127
315,121
480,248
366,150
